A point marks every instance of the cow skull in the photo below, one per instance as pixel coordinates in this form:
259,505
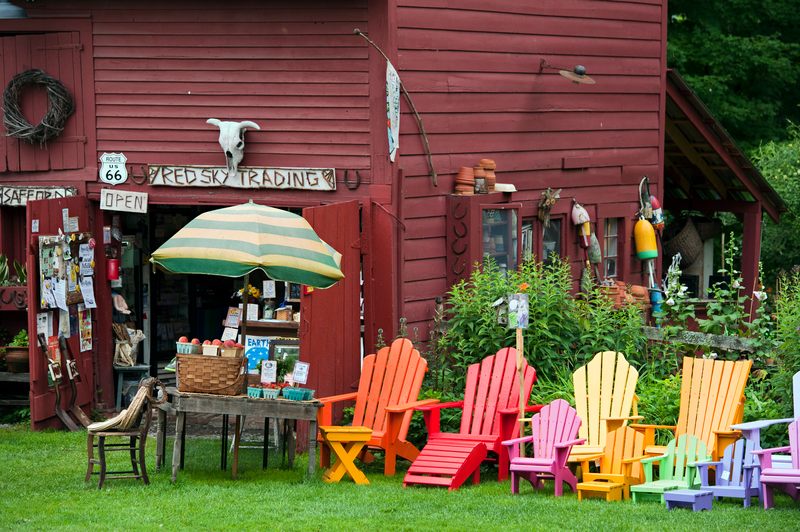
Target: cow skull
231,138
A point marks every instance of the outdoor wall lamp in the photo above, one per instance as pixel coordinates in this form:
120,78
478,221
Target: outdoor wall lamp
577,74
9,10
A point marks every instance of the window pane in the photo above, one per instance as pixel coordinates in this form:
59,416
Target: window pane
551,241
611,267
528,246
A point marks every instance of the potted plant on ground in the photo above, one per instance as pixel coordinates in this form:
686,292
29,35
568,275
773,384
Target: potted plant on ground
17,353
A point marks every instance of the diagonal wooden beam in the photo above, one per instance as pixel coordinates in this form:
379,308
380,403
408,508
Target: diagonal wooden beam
696,159
676,176
720,147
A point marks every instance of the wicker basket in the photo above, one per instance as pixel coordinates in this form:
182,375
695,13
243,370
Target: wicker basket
688,243
213,375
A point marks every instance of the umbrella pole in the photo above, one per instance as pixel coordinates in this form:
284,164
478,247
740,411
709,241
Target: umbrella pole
244,322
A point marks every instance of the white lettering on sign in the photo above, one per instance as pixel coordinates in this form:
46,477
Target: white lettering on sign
123,200
18,196
323,179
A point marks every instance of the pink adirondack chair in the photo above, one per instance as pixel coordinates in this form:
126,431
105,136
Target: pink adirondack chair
554,430
489,415
784,479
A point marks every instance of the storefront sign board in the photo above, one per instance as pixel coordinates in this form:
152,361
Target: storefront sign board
320,179
18,196
123,200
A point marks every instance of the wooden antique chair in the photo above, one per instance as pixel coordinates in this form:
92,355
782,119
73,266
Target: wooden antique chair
604,397
712,399
133,424
392,378
677,469
489,415
553,434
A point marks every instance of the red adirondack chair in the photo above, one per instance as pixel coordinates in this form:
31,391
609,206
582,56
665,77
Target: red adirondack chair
489,415
554,430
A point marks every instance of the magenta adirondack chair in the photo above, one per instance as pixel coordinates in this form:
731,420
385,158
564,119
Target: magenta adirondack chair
785,479
489,415
553,434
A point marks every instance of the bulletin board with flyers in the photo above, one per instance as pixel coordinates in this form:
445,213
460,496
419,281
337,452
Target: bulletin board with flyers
66,270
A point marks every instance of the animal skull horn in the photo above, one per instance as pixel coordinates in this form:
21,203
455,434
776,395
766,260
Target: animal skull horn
231,138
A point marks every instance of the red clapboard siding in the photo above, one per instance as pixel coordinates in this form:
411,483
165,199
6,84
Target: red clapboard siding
418,270
457,20
564,8
54,54
426,227
425,248
505,82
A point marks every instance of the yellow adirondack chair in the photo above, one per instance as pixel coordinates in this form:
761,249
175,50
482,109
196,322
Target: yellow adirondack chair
712,399
614,479
604,396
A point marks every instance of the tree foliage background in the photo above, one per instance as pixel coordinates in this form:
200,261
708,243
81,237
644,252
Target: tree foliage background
742,58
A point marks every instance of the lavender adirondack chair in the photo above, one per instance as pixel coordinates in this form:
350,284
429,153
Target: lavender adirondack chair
784,479
752,429
736,474
554,430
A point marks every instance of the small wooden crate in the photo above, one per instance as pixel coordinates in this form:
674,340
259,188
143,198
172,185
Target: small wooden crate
284,314
213,375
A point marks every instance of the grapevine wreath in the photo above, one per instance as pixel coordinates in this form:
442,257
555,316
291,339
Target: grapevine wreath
60,106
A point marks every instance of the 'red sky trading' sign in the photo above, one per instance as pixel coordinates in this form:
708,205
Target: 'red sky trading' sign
321,179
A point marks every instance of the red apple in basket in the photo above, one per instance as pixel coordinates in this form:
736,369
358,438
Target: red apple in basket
216,342
229,343
195,341
183,339
207,342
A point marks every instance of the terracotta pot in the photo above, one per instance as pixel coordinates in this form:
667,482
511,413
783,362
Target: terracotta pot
478,172
614,295
639,292
17,359
487,163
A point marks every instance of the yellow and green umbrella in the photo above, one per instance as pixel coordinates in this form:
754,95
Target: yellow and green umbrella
234,241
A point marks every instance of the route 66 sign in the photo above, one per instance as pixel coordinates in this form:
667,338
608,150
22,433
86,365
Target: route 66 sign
113,170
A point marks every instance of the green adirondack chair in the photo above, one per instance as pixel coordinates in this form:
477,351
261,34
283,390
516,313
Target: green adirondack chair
676,469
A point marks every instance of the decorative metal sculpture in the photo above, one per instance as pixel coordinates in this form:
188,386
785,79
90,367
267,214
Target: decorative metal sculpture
546,203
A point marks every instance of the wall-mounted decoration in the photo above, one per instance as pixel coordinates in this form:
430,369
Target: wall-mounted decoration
64,262
60,107
320,179
123,200
18,196
113,170
231,138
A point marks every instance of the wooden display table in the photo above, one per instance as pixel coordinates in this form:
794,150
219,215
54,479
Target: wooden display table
240,405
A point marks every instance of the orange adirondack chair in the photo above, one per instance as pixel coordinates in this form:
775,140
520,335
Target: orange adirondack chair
712,399
391,378
489,413
614,479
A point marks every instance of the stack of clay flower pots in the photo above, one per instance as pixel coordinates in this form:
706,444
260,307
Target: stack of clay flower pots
488,166
465,181
480,180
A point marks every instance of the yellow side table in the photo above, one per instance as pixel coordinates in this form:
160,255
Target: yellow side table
346,443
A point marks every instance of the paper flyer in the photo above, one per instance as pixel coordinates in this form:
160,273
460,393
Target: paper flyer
52,346
234,314
268,371
229,334
87,290
300,373
85,327
252,312
63,323
60,292
44,324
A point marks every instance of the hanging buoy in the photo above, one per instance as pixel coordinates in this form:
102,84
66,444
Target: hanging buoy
645,237
658,214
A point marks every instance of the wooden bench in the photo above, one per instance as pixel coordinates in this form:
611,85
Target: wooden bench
695,499
612,491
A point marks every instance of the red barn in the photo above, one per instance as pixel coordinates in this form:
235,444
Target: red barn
145,76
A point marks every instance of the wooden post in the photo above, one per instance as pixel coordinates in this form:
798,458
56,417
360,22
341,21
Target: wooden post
521,373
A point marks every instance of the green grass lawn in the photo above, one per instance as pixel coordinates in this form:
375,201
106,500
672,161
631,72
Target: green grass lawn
41,481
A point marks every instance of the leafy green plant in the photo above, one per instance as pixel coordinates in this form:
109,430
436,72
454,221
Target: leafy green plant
727,310
5,279
20,340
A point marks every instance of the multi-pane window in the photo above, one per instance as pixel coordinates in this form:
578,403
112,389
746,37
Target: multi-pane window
610,258
551,241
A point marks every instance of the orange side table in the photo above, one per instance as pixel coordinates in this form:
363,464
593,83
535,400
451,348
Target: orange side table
346,443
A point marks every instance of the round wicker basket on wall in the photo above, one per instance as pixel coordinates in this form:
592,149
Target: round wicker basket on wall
687,242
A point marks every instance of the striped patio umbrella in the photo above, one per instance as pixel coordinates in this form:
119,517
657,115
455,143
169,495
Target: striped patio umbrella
234,241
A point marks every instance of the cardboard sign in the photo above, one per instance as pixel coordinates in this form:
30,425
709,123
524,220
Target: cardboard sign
229,334
234,316
123,200
269,371
300,372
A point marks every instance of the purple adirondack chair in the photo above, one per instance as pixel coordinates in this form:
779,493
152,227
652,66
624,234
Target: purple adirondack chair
554,430
782,478
736,473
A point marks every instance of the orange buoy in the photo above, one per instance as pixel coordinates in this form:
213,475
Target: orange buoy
645,237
